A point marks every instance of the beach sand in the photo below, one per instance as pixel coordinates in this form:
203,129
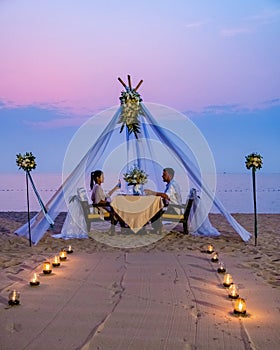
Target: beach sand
256,266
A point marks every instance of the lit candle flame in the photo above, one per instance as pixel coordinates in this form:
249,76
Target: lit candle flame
34,278
233,291
63,254
14,295
227,279
240,306
47,266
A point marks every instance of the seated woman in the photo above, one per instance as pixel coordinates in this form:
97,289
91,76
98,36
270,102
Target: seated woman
98,196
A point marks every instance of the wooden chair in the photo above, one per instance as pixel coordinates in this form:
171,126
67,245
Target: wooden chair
94,217
182,217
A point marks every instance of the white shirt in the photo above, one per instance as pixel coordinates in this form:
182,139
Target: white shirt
97,194
173,192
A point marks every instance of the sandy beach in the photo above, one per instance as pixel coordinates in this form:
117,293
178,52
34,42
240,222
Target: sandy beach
253,266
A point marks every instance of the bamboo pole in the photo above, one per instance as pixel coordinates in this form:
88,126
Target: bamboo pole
28,209
255,204
139,84
119,79
129,82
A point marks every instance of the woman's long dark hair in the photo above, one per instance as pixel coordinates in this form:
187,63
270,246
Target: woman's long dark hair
93,177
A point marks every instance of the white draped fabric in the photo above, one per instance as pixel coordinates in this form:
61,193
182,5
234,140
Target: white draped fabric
142,150
200,224
74,225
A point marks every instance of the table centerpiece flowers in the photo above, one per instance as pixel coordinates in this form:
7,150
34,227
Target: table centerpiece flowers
135,177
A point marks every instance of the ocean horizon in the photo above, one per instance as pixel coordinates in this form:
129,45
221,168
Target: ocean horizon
233,190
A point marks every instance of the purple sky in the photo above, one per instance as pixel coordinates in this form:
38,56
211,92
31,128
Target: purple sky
216,61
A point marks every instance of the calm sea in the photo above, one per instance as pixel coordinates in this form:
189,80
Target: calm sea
234,190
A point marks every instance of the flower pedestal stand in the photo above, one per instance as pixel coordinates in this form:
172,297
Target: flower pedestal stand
254,161
27,163
28,209
255,204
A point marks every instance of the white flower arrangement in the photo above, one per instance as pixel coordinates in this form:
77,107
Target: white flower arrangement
131,109
129,96
135,176
26,161
254,160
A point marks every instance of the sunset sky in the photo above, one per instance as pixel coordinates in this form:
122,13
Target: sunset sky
215,61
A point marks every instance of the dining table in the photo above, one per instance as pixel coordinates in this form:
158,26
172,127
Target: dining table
136,211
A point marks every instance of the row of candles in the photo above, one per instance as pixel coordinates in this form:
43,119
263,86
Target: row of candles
240,304
14,295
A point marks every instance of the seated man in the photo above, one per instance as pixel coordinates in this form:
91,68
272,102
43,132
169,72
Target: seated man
171,195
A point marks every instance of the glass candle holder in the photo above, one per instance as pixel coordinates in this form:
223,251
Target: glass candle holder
210,249
62,255
221,268
69,250
215,257
240,306
233,291
56,261
227,280
47,268
34,281
14,298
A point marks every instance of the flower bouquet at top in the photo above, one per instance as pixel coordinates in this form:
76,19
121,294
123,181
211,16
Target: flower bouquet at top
254,160
135,176
131,109
26,161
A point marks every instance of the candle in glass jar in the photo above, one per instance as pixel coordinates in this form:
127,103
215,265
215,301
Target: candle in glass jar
56,262
240,306
34,281
14,298
215,257
210,249
62,255
69,250
47,268
233,291
221,268
227,280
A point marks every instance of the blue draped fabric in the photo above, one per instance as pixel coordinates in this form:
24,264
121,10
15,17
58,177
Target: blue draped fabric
44,210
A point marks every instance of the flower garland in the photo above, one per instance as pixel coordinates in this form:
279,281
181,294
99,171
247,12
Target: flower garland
135,176
254,160
26,162
131,109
